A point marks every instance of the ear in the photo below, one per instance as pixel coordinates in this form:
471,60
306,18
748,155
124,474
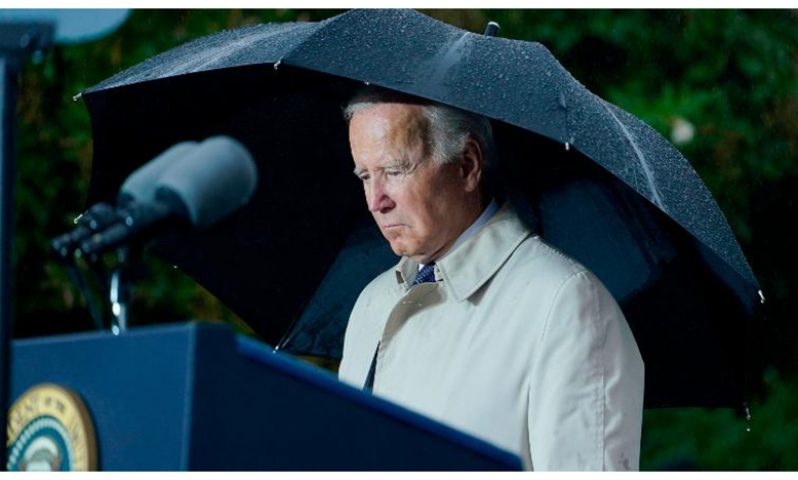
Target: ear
471,165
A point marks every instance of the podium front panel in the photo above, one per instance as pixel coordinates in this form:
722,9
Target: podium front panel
195,396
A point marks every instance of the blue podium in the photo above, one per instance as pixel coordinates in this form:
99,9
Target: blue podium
196,396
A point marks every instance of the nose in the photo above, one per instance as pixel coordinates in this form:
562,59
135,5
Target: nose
377,197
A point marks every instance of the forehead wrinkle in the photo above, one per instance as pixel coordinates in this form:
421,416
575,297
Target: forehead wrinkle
396,132
410,128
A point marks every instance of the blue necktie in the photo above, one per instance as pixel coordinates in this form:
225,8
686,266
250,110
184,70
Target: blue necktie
426,274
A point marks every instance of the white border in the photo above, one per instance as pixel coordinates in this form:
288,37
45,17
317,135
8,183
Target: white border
313,4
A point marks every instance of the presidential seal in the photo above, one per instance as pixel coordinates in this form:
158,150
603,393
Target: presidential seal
49,429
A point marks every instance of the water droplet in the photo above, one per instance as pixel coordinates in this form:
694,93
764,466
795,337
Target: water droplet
567,146
277,63
77,97
761,296
748,429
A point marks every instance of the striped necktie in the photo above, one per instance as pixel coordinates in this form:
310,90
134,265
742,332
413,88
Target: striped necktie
426,274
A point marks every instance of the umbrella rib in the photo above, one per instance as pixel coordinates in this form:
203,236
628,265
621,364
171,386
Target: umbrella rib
642,158
216,54
447,57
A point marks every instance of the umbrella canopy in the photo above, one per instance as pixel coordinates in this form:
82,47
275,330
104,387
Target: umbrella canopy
592,179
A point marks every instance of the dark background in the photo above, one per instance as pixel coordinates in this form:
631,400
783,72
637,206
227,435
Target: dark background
722,85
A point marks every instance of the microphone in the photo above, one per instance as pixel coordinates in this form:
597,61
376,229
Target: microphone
216,179
138,186
207,184
100,216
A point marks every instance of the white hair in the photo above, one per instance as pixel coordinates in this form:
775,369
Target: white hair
449,127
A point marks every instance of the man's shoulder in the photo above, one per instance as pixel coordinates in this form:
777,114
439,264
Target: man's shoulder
365,325
382,282
535,256
553,272
377,290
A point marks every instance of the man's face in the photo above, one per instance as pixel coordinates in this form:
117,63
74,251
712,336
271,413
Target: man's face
420,206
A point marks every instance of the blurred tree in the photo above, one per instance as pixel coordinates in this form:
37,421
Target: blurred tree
722,85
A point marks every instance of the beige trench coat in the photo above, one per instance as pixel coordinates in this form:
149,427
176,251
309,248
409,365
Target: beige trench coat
515,343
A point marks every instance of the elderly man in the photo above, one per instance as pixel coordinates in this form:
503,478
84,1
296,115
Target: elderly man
482,325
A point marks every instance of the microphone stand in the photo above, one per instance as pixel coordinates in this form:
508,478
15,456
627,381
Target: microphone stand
130,268
18,40
120,286
77,279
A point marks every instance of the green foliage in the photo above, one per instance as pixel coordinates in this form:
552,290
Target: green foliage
731,75
706,439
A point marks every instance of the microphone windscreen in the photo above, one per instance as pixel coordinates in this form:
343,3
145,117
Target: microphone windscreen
216,178
141,184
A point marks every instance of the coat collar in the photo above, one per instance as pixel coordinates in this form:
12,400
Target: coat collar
466,268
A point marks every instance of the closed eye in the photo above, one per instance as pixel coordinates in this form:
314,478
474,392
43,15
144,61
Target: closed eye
401,167
363,176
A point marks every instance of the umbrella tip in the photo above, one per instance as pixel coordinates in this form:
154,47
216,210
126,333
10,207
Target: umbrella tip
491,29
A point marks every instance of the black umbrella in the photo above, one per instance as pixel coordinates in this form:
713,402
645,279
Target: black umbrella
594,180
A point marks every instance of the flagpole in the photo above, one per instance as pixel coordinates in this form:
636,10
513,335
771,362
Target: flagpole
17,41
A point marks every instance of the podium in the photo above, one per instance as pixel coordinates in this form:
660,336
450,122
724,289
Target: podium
195,396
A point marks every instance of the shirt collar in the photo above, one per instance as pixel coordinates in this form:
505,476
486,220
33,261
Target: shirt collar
475,257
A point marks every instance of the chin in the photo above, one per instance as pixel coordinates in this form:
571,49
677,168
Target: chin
398,251
401,250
